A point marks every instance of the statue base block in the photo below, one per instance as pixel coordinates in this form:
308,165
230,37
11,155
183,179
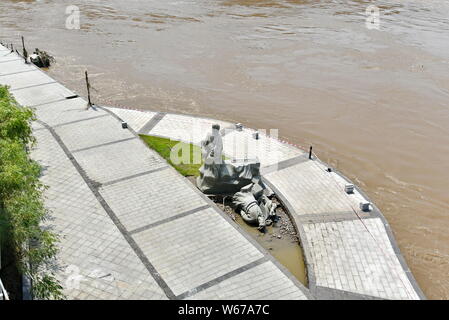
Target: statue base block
227,177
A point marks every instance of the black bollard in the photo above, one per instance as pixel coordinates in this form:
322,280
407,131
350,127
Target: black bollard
310,153
25,52
89,104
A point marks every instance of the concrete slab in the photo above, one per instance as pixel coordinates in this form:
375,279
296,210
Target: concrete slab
121,160
310,189
36,126
195,249
25,79
357,256
184,128
94,260
6,56
46,93
67,111
15,66
92,132
135,119
155,197
243,145
253,285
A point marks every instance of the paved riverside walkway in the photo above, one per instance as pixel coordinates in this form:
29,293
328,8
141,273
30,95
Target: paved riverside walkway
130,226
350,254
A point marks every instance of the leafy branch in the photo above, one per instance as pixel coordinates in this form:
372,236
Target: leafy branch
22,209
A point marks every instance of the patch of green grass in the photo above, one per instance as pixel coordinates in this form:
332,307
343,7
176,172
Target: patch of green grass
164,147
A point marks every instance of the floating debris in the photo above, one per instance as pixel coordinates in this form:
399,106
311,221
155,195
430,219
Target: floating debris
41,59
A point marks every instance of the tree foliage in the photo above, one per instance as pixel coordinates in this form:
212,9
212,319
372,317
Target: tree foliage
22,209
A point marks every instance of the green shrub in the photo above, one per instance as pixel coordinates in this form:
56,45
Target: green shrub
22,209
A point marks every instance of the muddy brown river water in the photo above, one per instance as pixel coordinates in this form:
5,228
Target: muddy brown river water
375,103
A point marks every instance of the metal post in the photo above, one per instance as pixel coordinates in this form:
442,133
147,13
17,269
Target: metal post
89,104
310,153
25,53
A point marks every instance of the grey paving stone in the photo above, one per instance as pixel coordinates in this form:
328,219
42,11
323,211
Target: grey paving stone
310,189
120,160
253,285
66,111
154,197
6,56
92,132
41,94
26,79
193,250
14,67
94,260
135,119
270,151
357,257
36,126
185,128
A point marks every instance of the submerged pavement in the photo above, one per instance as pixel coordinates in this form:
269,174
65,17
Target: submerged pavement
133,228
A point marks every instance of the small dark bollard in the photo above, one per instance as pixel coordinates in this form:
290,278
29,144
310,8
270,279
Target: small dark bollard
124,125
25,52
349,188
365,206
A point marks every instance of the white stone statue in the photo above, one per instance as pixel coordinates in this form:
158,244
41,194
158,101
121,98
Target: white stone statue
212,147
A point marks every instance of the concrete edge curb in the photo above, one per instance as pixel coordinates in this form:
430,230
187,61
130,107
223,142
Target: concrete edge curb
397,251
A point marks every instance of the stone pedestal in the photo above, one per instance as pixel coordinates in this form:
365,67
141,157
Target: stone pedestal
227,177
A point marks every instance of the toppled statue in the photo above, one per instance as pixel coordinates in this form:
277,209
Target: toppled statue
254,206
41,59
218,176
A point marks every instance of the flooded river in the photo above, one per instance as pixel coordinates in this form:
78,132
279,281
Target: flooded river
375,103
